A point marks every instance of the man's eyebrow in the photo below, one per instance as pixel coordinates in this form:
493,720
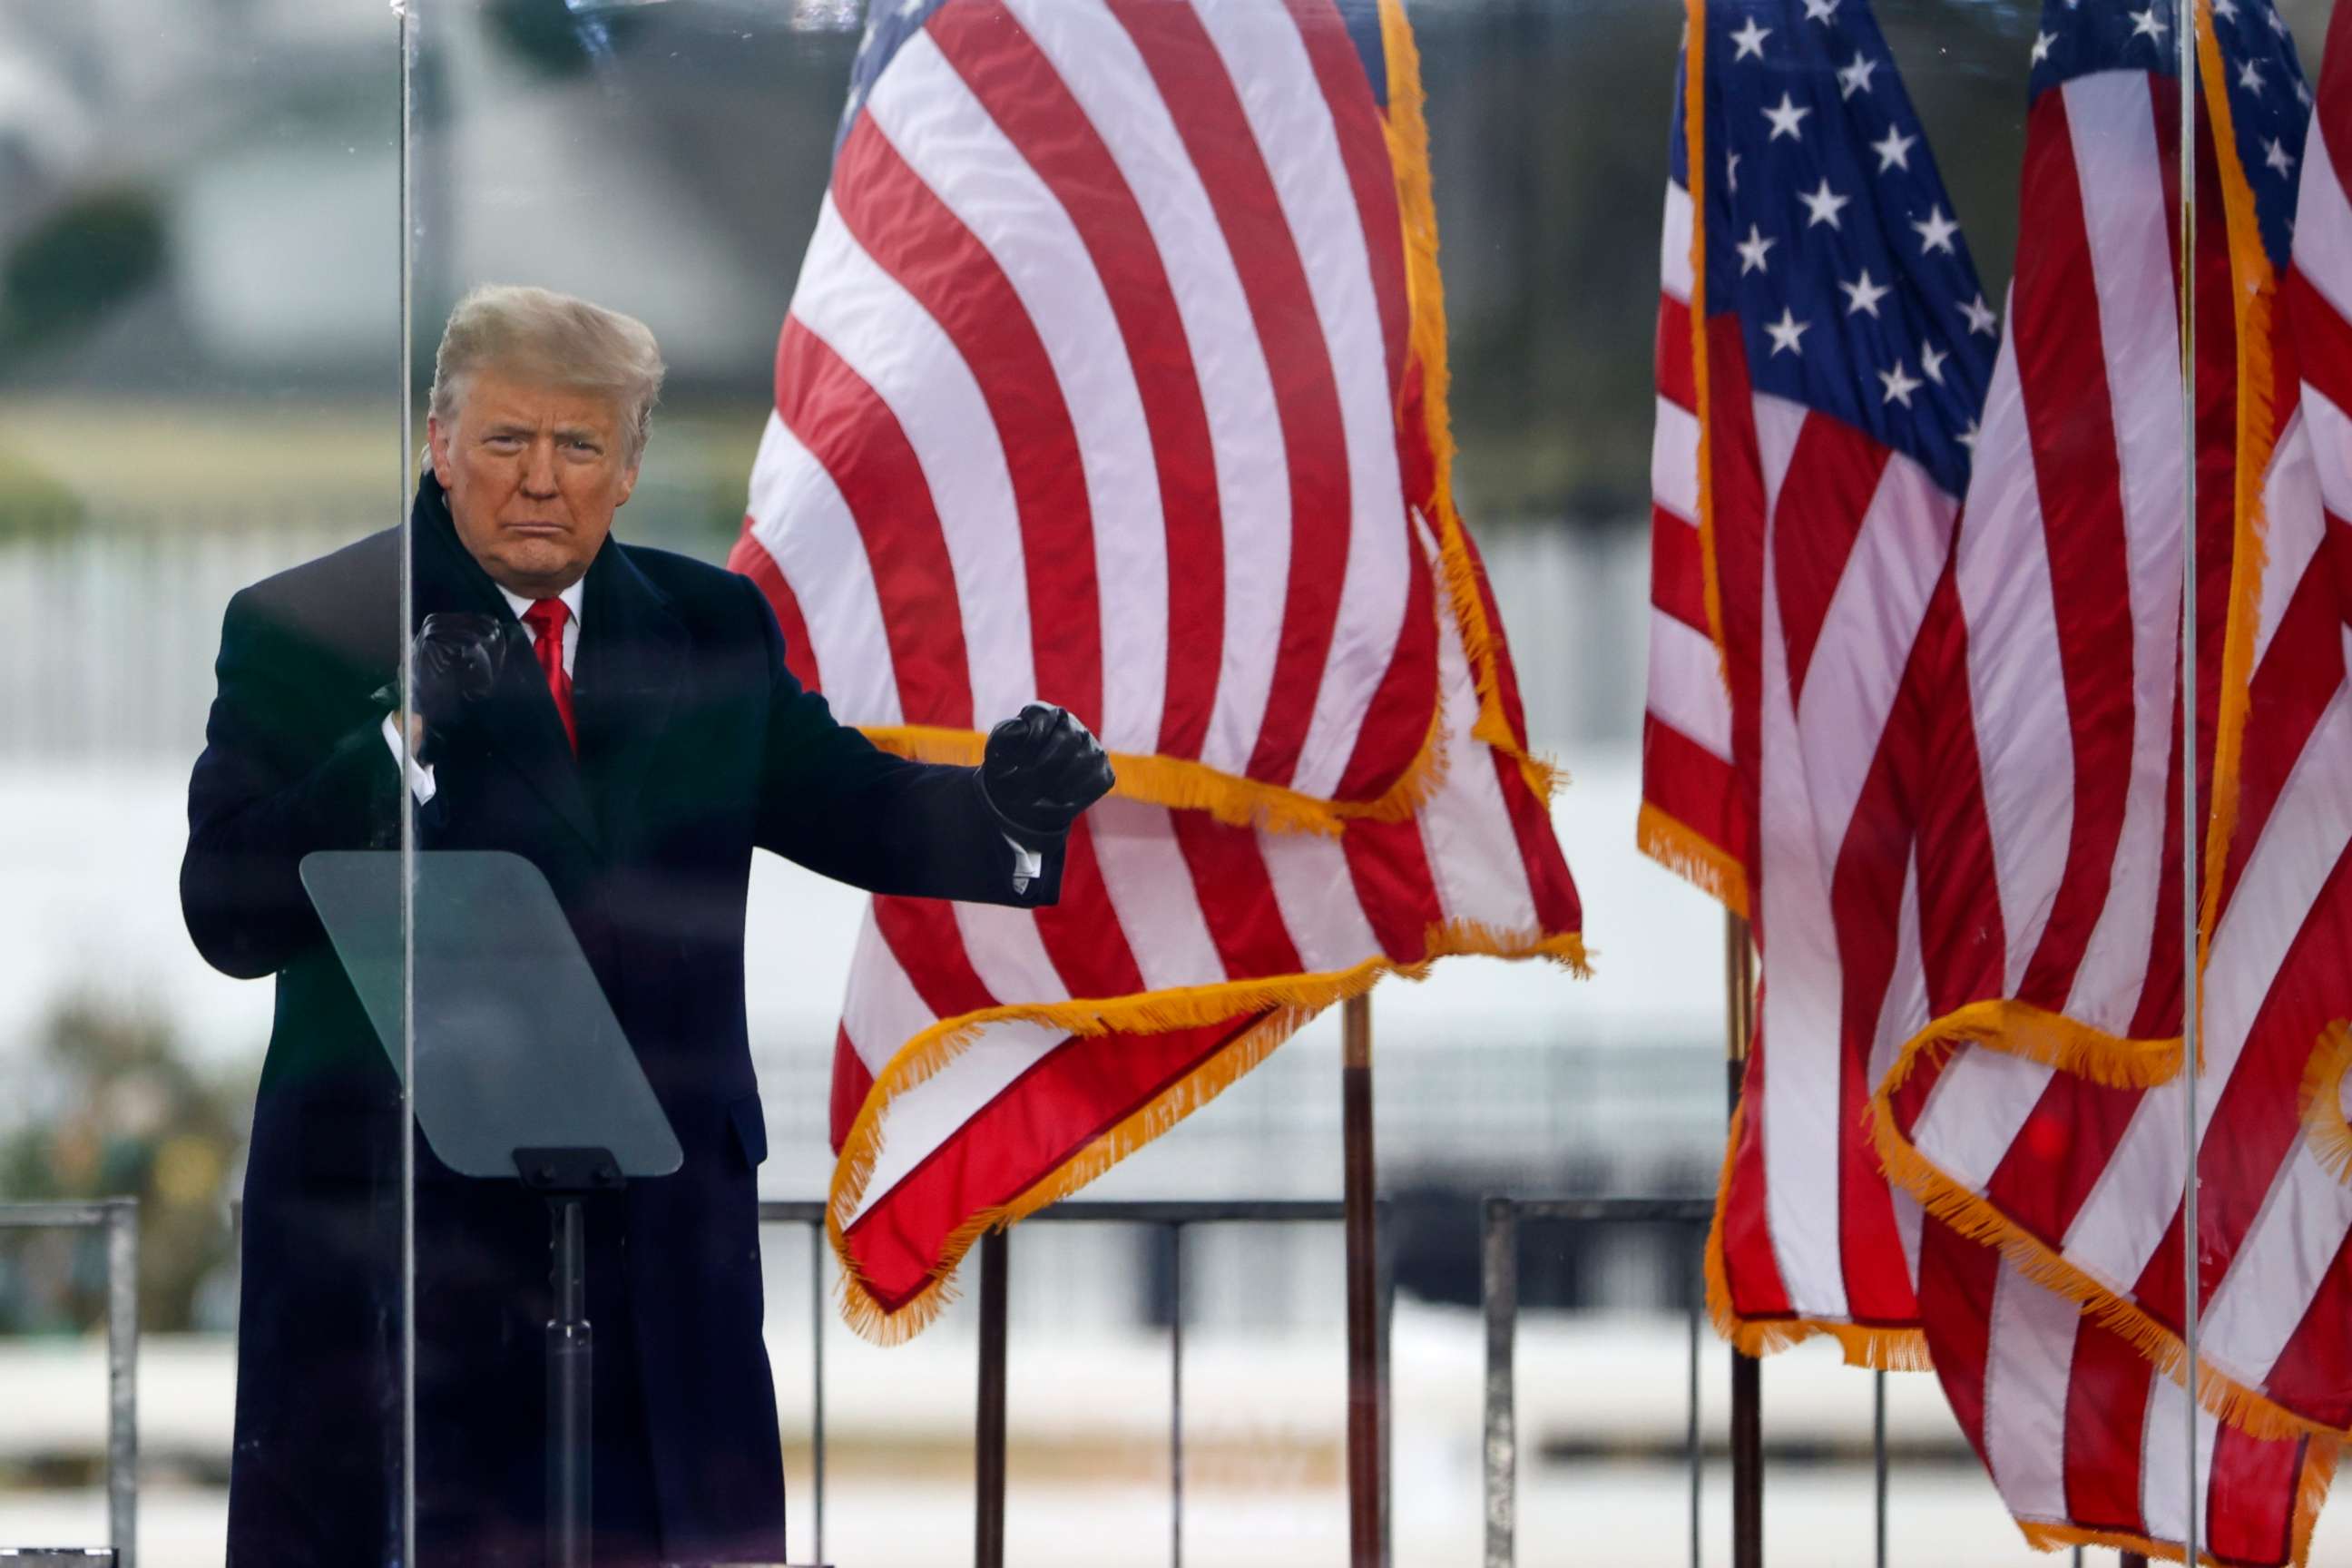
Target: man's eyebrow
579,433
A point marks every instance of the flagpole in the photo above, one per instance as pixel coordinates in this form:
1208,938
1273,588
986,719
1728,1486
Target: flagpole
1366,1547
988,1516
2192,835
407,33
1747,1373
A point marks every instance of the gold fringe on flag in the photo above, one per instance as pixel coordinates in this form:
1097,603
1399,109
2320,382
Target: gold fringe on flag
1286,1002
1694,175
1863,1345
2311,1493
2065,1046
1182,784
1406,127
2324,1126
2254,295
1694,856
1675,845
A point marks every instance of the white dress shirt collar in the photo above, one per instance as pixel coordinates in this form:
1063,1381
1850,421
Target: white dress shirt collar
573,597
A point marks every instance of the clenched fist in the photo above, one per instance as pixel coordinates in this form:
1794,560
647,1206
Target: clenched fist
453,667
1041,769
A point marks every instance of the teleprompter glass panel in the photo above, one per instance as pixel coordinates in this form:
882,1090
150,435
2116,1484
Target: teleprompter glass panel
607,716
201,1310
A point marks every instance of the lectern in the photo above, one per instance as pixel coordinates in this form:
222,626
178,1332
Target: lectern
523,1074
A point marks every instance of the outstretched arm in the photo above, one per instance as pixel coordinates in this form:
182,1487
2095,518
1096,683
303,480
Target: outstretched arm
833,801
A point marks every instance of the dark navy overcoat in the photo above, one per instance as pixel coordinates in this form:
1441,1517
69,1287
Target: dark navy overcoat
697,746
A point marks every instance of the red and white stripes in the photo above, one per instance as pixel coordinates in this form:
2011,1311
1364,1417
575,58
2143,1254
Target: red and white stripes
1692,802
1114,377
1829,550
2085,1439
2054,1129
971,1086
1100,287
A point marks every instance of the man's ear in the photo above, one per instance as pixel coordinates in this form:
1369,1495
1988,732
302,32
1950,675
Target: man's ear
436,440
628,486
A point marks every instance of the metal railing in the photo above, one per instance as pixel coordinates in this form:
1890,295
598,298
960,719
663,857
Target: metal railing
1500,1241
1499,1275
1173,1219
119,1217
1499,1279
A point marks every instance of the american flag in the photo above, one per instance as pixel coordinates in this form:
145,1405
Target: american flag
1811,448
1130,309
2043,1110
1051,317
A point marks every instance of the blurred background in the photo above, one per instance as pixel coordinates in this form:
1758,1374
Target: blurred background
200,383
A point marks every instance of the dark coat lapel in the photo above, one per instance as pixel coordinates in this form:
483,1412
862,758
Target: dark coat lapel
633,653
525,731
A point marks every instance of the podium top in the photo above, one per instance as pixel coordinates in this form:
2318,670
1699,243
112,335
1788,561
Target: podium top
517,1047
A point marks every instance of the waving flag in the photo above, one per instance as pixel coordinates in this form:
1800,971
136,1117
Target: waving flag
1823,353
1116,376
2043,1110
1091,390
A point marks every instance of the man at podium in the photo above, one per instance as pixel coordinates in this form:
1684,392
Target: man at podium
622,718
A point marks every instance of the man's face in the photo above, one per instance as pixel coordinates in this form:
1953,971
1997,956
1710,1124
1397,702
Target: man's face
534,475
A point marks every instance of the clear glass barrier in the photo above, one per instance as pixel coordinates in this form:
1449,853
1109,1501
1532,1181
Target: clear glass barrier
199,295
670,162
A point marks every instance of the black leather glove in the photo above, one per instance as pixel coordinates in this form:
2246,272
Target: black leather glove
453,667
1040,770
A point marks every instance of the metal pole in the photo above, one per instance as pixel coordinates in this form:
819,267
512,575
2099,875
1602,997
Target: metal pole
1364,1482
1878,1453
994,1265
1738,997
1746,1379
407,1286
122,1378
2192,835
1746,1463
1386,1250
571,1377
1697,1452
1499,1270
1175,1234
816,1382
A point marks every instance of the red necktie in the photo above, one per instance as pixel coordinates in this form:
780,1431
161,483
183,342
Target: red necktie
546,619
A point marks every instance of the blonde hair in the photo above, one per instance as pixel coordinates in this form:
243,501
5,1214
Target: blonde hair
555,339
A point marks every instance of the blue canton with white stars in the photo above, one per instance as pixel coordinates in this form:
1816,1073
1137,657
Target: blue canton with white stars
2078,38
2270,101
888,25
2270,111
1832,235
